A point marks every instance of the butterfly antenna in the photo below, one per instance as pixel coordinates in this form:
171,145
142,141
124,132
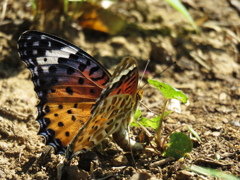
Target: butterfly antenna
145,69
148,108
174,63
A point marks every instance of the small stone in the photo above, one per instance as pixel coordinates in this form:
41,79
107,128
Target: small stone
223,96
142,175
120,160
216,133
118,40
3,146
184,175
170,121
225,120
40,175
206,133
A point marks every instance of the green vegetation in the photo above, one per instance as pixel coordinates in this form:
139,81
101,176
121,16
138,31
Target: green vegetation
211,172
177,4
179,144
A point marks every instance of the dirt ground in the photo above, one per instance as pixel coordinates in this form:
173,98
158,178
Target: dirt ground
207,71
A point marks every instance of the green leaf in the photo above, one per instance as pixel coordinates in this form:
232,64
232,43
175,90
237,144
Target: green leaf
194,133
153,122
168,91
181,8
179,145
212,172
134,124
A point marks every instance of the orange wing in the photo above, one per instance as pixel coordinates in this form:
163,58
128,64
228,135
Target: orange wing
67,81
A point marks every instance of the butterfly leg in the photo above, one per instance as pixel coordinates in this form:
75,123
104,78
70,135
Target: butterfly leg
121,137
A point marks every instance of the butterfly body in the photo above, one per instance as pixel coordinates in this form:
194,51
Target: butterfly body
80,102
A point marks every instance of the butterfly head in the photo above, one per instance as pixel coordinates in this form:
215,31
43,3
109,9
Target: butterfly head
139,94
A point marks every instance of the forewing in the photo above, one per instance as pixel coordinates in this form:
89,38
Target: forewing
67,81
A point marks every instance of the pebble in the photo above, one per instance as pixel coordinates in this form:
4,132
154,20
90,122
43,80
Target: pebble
120,160
216,133
3,146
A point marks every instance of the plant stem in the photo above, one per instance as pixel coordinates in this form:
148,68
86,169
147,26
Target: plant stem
160,124
144,129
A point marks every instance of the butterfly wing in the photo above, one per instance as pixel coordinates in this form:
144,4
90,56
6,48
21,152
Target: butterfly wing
67,81
115,106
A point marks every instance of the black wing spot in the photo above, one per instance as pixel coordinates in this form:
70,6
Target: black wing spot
81,81
53,90
82,67
52,69
60,124
62,60
93,70
45,59
69,111
70,71
56,115
92,91
73,118
69,90
75,105
60,106
47,109
67,133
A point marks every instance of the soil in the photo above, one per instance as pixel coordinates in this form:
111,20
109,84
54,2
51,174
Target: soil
207,71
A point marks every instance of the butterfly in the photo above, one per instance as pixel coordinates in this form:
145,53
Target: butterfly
80,102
